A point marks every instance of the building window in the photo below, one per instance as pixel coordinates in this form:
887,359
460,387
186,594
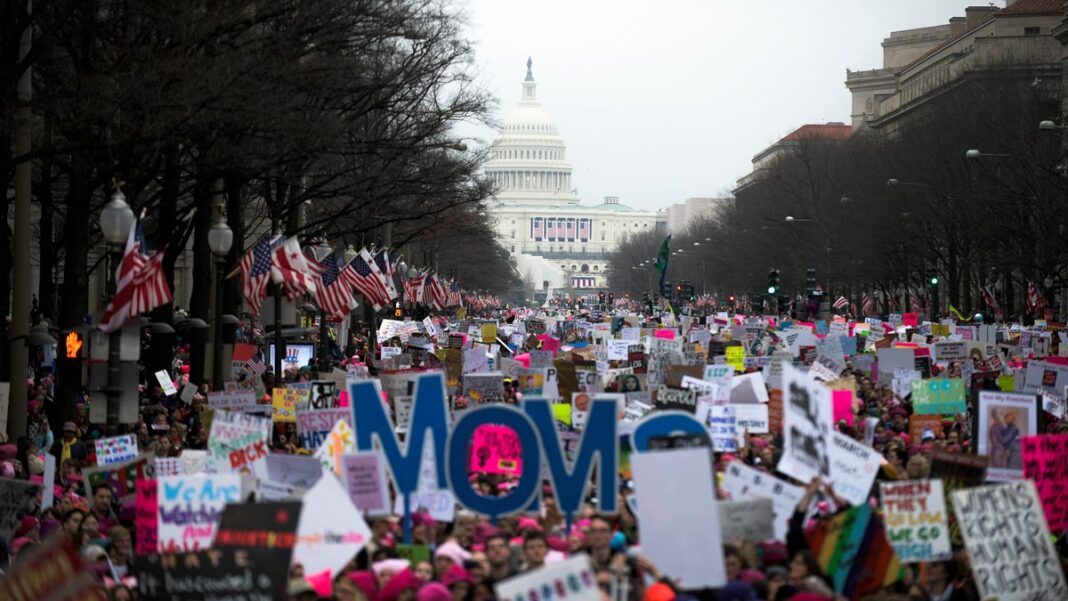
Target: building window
513,234
602,236
513,222
596,268
1032,30
513,250
585,268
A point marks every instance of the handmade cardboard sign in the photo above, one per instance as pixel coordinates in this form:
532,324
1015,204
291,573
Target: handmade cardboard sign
916,525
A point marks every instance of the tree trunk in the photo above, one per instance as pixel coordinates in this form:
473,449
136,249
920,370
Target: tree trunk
46,285
200,303
235,218
170,180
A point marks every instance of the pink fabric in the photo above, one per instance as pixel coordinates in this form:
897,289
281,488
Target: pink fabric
434,591
321,582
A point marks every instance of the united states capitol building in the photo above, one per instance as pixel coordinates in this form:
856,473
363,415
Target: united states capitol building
557,243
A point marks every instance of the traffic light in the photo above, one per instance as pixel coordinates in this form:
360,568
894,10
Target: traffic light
810,280
600,297
611,299
773,281
398,311
934,295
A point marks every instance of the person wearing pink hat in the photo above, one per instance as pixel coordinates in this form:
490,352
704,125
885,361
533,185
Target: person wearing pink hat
403,586
434,591
448,555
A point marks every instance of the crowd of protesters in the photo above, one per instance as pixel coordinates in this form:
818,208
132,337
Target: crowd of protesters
468,556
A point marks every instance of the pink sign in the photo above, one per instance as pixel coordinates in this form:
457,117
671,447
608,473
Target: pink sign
548,343
843,405
146,517
1044,462
666,334
911,319
496,450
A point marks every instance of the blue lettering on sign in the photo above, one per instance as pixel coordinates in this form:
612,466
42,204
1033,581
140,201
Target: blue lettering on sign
429,413
534,426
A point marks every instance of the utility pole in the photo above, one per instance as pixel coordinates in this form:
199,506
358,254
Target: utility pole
20,314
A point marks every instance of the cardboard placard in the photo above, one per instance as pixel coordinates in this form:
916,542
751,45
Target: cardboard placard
365,479
916,520
741,482
1045,461
572,577
807,426
116,449
54,570
190,507
17,499
496,450
750,520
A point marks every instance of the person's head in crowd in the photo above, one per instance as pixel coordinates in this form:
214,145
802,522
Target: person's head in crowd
478,566
345,589
424,569
448,555
599,536
402,586
120,545
498,551
733,562
535,547
102,497
70,431
918,468
72,525
90,529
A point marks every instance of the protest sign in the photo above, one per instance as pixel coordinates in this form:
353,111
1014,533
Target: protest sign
736,358
17,499
482,388
939,396
237,400
402,413
1004,419
671,398
751,520
748,388
721,424
237,442
919,423
916,526
951,350
264,535
496,450
414,553
851,546
116,449
338,443
1009,546
314,425
365,479
284,402
323,395
1054,404
853,467
741,482
571,578
54,571
1045,375
121,476
1045,461
892,359
807,426
169,466
193,461
695,554
330,532
751,418
165,382
190,506
48,497
294,470
146,517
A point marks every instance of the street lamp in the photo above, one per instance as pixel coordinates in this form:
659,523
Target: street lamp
1048,125
323,250
220,239
974,153
116,220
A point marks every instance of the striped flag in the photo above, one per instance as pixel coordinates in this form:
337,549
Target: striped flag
852,548
1035,299
255,273
367,283
840,303
386,269
333,293
867,307
917,302
988,297
289,266
141,282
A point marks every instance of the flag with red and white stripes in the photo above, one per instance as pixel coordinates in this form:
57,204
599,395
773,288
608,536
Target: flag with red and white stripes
290,267
840,303
366,282
333,293
256,272
1036,301
867,307
386,269
988,297
141,282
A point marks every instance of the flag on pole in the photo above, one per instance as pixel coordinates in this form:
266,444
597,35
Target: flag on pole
366,283
141,282
289,266
840,303
386,268
333,293
662,260
988,297
256,272
1035,299
867,307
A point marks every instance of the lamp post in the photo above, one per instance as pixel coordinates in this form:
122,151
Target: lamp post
116,219
220,238
323,250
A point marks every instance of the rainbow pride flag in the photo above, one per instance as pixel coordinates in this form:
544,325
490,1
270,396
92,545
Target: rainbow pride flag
852,549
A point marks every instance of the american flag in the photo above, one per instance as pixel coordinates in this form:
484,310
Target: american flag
840,303
334,291
255,272
369,258
367,283
917,302
290,267
386,269
454,295
584,229
867,307
550,228
1035,299
413,288
141,281
438,296
570,228
537,228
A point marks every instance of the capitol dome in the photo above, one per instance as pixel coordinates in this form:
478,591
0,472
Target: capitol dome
527,160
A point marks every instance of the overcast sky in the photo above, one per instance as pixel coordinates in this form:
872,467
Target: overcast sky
660,101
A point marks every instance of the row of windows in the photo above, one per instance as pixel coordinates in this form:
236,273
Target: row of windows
547,155
529,128
584,268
